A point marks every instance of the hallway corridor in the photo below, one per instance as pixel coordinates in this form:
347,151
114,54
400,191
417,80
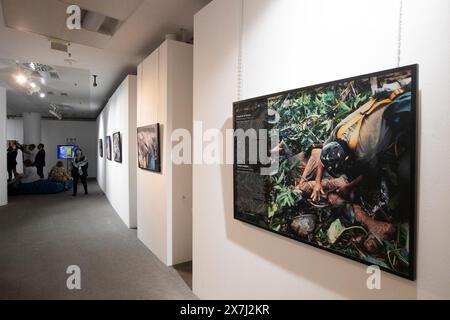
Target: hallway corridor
40,236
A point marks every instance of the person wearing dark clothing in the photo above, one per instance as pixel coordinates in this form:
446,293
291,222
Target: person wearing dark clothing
12,161
79,171
39,161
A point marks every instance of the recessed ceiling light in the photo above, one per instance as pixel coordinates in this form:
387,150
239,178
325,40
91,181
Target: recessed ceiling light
33,85
42,95
21,79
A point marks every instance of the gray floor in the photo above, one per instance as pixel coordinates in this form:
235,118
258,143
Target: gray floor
40,236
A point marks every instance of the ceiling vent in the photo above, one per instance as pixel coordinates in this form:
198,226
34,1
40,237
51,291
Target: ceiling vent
39,70
39,67
54,75
59,46
100,20
97,22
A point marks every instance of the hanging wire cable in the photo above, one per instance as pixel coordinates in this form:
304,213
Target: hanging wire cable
240,80
400,25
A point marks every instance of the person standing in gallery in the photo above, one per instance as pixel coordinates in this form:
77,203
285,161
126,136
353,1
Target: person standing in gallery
79,171
12,160
39,161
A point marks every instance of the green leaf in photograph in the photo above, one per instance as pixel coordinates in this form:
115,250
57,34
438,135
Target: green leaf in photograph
334,231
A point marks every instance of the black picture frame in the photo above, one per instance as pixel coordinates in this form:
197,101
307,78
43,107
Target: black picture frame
117,147
148,143
412,188
100,147
108,147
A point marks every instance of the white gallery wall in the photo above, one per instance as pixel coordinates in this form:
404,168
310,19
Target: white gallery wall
286,44
164,200
54,133
3,183
118,180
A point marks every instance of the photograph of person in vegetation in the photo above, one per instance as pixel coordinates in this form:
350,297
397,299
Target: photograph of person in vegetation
345,181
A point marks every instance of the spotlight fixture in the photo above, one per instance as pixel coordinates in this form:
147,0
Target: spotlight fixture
95,80
32,88
21,79
42,95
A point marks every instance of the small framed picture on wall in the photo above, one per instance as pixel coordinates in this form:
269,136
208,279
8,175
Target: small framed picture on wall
100,147
108,147
149,157
117,147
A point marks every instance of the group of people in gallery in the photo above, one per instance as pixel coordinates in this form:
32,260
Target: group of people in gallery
34,162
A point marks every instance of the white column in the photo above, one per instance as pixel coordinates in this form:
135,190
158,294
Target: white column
31,128
3,180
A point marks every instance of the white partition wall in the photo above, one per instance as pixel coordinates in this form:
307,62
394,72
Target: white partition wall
164,200
118,180
288,44
3,183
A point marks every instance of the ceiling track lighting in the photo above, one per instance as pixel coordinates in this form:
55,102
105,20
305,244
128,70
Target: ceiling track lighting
21,79
55,112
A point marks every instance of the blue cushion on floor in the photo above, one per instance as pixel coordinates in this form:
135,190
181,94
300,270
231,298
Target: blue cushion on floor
41,187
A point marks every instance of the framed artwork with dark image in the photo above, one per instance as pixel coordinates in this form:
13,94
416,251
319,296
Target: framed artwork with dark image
338,167
108,147
117,147
148,140
100,147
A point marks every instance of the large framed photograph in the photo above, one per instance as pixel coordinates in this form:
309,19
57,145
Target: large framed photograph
100,147
335,168
149,157
117,147
108,147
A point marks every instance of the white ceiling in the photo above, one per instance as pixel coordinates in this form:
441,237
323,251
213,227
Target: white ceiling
145,22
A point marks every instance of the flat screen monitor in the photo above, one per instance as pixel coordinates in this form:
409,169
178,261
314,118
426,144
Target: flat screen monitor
66,152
